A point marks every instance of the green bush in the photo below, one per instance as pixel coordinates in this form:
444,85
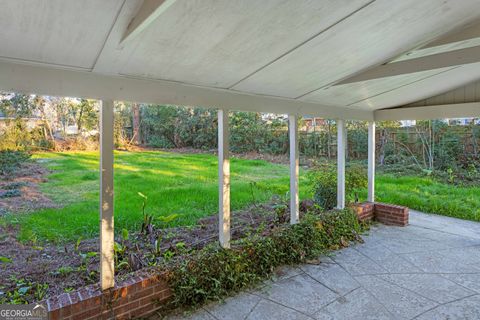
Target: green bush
213,273
11,160
16,135
10,193
325,183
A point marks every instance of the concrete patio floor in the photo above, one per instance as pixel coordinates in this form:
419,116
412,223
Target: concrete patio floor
427,270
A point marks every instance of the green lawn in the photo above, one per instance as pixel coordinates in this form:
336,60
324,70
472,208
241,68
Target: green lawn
185,184
427,195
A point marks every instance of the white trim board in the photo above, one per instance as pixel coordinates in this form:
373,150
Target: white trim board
58,82
459,110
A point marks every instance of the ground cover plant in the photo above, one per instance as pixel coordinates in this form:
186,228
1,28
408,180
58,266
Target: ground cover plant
261,234
11,160
181,184
214,273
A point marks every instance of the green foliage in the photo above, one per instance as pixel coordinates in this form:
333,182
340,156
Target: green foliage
24,292
11,160
5,259
17,105
10,194
324,181
63,271
214,273
172,126
15,185
17,136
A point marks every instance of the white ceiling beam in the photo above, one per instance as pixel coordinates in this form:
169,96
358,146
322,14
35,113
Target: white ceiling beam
148,13
458,110
471,31
435,61
59,82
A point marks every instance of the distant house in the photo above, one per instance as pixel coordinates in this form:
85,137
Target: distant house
310,123
30,122
407,123
450,122
461,121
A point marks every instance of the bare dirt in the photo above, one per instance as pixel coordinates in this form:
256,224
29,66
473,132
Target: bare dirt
25,180
67,267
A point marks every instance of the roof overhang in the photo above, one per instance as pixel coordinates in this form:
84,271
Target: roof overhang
328,58
71,83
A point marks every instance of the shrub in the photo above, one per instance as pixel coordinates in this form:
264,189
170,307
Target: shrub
325,183
213,272
10,193
11,160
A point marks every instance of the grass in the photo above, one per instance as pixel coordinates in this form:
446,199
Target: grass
428,195
184,184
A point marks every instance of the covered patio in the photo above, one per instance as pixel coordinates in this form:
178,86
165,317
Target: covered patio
365,60
427,270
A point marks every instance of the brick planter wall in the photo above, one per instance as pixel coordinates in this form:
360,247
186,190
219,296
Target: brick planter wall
365,211
388,214
391,214
137,297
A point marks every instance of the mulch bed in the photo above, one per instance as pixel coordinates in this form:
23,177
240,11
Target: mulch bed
20,192
68,267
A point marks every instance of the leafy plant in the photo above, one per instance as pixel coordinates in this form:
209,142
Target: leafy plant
77,244
10,193
5,259
125,234
324,179
147,226
451,176
24,291
167,220
63,271
15,185
213,272
11,160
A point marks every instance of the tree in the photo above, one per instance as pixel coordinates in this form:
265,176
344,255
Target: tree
136,124
85,114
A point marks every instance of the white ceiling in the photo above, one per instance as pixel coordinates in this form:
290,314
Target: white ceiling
291,50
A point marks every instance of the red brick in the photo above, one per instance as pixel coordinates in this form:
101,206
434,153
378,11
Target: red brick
143,311
391,214
66,311
161,286
140,294
86,305
54,314
125,308
95,312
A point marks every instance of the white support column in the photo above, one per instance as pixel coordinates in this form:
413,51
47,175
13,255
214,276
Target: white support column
341,138
371,161
223,179
294,168
106,196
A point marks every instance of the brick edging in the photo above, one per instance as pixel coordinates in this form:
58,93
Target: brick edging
385,213
136,297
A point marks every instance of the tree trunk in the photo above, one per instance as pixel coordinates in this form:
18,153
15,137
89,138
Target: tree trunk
383,143
136,124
